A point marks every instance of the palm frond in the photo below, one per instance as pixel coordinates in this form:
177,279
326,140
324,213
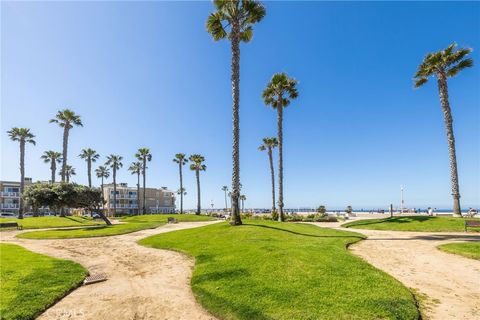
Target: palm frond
453,71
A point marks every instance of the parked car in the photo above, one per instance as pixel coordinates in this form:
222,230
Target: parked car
7,215
29,214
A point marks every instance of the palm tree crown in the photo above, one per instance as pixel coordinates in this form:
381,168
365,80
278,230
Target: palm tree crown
180,158
114,161
23,135
448,63
234,18
197,162
102,172
51,156
280,90
89,154
69,172
269,142
67,118
135,167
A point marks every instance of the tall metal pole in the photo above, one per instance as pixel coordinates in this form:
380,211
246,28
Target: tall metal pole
401,199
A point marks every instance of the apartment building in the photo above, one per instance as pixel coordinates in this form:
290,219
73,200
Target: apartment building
156,200
10,195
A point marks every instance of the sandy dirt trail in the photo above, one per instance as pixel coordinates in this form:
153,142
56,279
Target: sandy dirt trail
446,285
143,283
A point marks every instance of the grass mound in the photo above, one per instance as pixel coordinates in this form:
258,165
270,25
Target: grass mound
411,223
31,282
270,270
466,249
54,222
131,224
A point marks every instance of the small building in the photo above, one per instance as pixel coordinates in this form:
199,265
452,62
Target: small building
10,195
159,200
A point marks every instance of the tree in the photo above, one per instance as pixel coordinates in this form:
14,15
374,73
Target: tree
182,192
90,199
115,162
144,155
53,158
269,144
243,198
445,64
69,172
102,173
23,136
40,194
279,92
136,168
197,166
225,190
322,210
181,160
89,155
349,210
66,119
234,20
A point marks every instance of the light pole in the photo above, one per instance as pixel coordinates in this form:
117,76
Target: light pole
401,199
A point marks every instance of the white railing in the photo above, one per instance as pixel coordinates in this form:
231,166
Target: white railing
127,206
10,194
9,205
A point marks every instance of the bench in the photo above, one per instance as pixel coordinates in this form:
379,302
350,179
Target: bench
172,220
10,225
471,223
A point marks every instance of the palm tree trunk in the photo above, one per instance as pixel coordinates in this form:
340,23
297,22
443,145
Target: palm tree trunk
22,178
181,185
272,174
226,204
197,173
447,113
89,169
65,148
114,191
53,167
103,198
280,159
138,193
144,184
235,41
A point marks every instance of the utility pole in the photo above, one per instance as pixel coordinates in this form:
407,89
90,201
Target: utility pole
401,199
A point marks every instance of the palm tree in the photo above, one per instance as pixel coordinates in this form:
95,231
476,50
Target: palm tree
115,162
181,160
69,172
22,135
66,119
269,144
278,94
243,198
144,155
136,168
225,190
102,172
234,20
442,65
89,155
182,192
53,158
197,166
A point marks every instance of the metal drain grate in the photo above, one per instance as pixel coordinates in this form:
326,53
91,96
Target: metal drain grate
95,278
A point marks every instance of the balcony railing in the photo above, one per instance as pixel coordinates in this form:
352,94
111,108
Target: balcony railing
124,196
9,206
126,206
10,194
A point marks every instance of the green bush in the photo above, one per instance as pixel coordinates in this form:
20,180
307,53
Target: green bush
246,215
326,219
322,211
275,215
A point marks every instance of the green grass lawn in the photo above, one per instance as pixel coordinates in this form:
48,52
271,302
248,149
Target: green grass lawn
412,223
466,249
53,222
31,282
269,270
131,224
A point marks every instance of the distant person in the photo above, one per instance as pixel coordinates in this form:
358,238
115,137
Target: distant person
430,211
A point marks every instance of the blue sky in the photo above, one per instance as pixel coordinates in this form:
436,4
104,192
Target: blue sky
148,74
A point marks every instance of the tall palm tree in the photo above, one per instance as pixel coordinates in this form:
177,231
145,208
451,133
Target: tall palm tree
269,144
115,162
234,20
181,160
102,172
66,119
136,168
52,157
144,156
197,166
182,192
69,172
443,65
24,136
89,155
243,198
225,190
279,92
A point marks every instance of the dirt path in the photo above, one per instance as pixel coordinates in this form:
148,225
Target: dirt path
143,283
447,285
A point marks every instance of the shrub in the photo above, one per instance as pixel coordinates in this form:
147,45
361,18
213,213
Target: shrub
322,211
246,215
275,215
326,219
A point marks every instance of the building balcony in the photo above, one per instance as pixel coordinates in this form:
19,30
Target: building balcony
124,196
9,194
9,206
124,206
